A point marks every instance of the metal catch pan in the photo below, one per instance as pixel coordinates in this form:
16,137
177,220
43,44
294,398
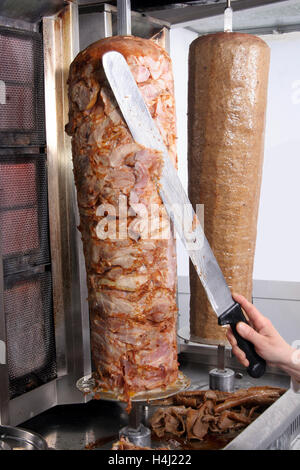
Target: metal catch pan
13,438
276,429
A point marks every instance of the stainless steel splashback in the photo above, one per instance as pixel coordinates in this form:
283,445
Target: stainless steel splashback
100,20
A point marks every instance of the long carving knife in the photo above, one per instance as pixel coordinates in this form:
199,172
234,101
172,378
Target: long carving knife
177,204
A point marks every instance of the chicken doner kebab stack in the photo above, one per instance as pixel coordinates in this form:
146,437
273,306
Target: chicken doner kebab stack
131,276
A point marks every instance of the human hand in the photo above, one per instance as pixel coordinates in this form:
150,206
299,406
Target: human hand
266,340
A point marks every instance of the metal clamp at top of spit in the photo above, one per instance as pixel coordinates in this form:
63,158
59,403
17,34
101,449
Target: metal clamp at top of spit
228,17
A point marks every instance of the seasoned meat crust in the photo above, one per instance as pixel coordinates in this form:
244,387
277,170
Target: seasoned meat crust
228,77
131,279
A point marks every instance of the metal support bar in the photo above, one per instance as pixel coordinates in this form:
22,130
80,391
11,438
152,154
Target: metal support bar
4,380
61,45
124,17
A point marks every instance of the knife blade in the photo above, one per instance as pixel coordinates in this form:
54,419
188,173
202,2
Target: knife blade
177,204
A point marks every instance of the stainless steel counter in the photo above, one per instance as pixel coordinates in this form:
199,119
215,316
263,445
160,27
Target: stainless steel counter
75,426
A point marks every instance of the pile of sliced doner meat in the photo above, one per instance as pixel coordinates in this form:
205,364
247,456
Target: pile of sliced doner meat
197,415
194,414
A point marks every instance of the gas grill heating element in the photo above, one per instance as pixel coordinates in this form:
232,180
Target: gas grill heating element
23,212
22,120
24,226
30,331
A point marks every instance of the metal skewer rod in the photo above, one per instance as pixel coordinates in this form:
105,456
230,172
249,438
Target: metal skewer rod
136,415
124,17
136,432
228,17
221,357
221,378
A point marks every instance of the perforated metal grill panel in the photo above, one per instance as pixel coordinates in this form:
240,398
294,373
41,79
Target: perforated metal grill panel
24,226
23,212
22,121
30,331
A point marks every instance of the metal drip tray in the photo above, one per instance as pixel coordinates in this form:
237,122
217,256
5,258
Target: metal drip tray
89,385
12,438
96,424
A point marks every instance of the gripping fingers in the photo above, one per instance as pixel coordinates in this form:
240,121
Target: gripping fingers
231,337
255,317
240,355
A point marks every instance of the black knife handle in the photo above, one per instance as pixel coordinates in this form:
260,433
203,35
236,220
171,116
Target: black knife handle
232,316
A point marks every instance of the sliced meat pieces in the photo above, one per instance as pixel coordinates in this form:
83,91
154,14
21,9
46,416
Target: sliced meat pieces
253,396
204,412
169,420
125,444
197,421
